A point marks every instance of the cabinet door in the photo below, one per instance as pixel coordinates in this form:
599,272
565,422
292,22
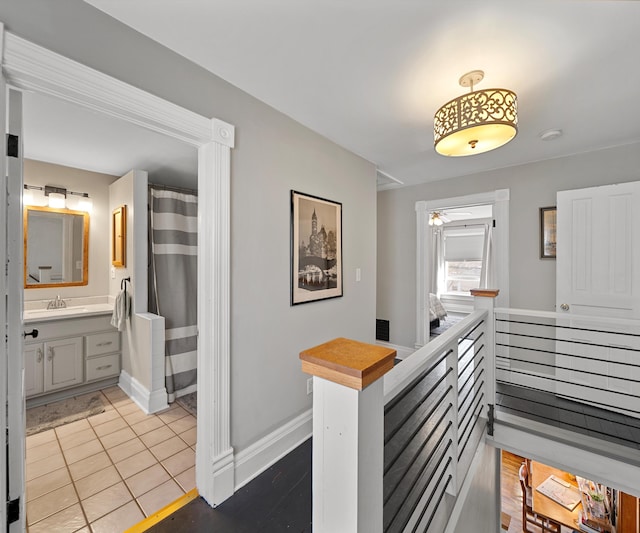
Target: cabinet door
63,363
33,369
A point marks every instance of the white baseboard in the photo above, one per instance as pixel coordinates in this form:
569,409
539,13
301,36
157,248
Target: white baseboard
158,400
402,352
148,401
255,459
214,476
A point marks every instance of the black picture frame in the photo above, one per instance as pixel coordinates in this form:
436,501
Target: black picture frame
316,248
548,222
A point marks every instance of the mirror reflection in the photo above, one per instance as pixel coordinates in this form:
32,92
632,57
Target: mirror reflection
56,246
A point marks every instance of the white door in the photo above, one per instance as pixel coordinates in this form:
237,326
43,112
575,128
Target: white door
598,275
12,245
598,251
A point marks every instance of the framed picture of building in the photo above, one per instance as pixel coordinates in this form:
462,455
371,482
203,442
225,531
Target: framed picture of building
316,248
548,232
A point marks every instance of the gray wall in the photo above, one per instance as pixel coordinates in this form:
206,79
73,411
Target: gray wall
532,280
273,155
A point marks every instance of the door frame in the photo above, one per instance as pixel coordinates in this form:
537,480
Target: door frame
500,201
28,66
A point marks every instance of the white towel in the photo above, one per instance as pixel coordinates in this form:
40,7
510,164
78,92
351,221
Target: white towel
121,310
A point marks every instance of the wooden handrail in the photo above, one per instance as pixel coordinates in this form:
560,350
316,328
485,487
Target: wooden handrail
487,293
347,362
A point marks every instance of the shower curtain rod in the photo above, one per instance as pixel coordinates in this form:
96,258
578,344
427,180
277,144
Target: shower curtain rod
172,188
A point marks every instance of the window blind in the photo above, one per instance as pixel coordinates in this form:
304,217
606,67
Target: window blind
463,244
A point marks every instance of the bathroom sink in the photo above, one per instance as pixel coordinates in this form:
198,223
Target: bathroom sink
50,313
78,310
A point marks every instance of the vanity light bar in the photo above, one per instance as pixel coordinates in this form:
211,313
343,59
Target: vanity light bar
49,190
60,194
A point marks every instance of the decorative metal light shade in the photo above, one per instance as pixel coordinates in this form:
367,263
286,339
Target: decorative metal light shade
475,122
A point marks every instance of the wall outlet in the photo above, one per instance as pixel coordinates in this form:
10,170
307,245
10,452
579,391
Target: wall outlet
309,385
358,274
113,273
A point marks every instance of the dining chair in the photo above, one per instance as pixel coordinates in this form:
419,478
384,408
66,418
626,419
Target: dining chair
528,515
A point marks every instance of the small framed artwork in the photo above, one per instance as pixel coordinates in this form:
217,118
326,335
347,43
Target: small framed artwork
316,248
119,236
548,232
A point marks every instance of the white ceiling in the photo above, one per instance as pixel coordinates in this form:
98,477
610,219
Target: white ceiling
369,74
66,134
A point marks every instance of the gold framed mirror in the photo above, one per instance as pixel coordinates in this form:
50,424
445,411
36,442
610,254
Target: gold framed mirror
56,247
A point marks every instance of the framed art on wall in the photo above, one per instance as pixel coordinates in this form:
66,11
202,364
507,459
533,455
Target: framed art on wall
316,248
548,232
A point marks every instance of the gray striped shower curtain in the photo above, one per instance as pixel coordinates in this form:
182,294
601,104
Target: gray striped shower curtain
173,282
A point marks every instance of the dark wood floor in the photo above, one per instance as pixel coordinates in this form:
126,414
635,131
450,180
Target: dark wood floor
280,500
277,500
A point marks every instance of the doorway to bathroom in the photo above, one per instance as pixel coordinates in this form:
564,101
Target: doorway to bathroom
213,139
91,452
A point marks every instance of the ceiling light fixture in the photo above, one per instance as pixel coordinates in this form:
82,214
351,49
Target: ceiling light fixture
475,122
435,220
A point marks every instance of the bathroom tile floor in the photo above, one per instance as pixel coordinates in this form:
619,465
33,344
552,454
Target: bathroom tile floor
109,471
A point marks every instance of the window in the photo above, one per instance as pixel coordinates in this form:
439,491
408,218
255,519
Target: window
463,250
462,276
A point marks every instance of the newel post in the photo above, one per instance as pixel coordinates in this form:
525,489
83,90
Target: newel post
486,299
348,434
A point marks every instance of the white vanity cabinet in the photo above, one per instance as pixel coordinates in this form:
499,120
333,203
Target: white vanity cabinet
71,356
33,369
62,363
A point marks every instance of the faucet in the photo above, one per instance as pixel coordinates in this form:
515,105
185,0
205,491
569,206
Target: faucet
56,303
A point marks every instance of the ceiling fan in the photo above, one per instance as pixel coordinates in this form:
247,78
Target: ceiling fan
437,218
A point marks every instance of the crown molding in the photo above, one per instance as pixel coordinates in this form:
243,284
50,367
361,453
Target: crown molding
29,66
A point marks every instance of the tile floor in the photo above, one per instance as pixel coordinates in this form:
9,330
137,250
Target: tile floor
108,472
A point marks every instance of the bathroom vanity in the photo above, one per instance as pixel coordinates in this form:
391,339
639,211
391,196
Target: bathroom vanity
76,351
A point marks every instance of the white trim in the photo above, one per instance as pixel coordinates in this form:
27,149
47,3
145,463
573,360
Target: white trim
255,459
135,390
423,246
32,67
457,303
607,463
214,308
500,201
148,401
29,66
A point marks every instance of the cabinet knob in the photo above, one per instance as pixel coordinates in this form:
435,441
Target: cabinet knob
564,307
33,333
39,355
51,353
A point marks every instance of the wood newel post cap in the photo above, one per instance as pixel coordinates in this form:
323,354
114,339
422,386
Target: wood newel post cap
486,293
347,362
